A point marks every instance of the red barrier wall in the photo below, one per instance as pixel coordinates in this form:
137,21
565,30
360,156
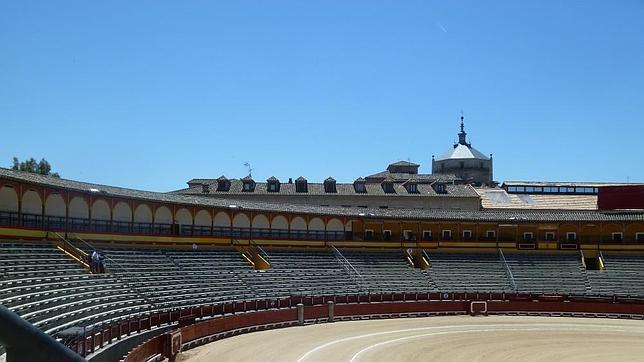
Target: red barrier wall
512,303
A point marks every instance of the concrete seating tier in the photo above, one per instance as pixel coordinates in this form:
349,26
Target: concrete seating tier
52,291
623,276
388,272
300,272
548,273
49,289
468,272
180,278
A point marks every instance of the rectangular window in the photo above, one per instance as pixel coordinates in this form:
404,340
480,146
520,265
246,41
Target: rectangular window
571,236
386,234
447,234
528,236
529,189
413,188
491,234
368,234
408,234
617,236
467,234
427,235
550,235
639,236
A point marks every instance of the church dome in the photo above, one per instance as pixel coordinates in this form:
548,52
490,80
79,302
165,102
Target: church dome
462,151
464,161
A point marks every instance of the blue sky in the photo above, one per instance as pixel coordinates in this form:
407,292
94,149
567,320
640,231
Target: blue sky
149,94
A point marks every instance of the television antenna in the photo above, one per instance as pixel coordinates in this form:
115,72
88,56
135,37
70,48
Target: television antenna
249,168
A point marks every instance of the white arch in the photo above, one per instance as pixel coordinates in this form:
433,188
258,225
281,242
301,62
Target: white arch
55,206
122,212
279,223
316,224
334,225
101,210
31,203
143,213
203,218
260,222
8,199
222,219
298,223
163,215
241,221
78,208
183,217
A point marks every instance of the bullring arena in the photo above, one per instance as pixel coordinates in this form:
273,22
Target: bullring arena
451,338
238,270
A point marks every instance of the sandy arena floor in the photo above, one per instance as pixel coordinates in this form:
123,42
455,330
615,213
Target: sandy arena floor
456,338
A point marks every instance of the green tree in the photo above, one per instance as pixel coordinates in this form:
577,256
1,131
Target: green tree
31,165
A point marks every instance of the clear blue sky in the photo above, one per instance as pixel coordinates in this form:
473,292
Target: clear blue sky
149,94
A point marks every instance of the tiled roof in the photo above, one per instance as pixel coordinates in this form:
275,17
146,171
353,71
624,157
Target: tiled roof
511,216
404,163
424,178
565,184
499,199
342,189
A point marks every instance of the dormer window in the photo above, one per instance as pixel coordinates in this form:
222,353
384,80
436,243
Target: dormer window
412,187
439,188
273,184
205,188
248,184
329,185
301,185
388,186
360,186
223,184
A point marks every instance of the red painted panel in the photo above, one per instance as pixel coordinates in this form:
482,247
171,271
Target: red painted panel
621,197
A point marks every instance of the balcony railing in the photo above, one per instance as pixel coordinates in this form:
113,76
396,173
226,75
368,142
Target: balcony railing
63,224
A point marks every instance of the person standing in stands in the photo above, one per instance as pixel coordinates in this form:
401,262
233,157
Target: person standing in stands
102,264
95,261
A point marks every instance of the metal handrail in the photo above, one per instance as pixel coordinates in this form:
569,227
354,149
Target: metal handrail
350,268
426,256
513,283
261,250
143,297
24,342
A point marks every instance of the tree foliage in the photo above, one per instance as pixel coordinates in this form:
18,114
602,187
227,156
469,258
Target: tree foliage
31,165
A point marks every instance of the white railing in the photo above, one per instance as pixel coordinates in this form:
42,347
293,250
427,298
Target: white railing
508,271
351,270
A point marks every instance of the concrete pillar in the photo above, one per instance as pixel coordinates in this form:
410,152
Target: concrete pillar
300,314
331,310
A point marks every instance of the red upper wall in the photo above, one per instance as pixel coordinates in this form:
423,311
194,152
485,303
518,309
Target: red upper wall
621,197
